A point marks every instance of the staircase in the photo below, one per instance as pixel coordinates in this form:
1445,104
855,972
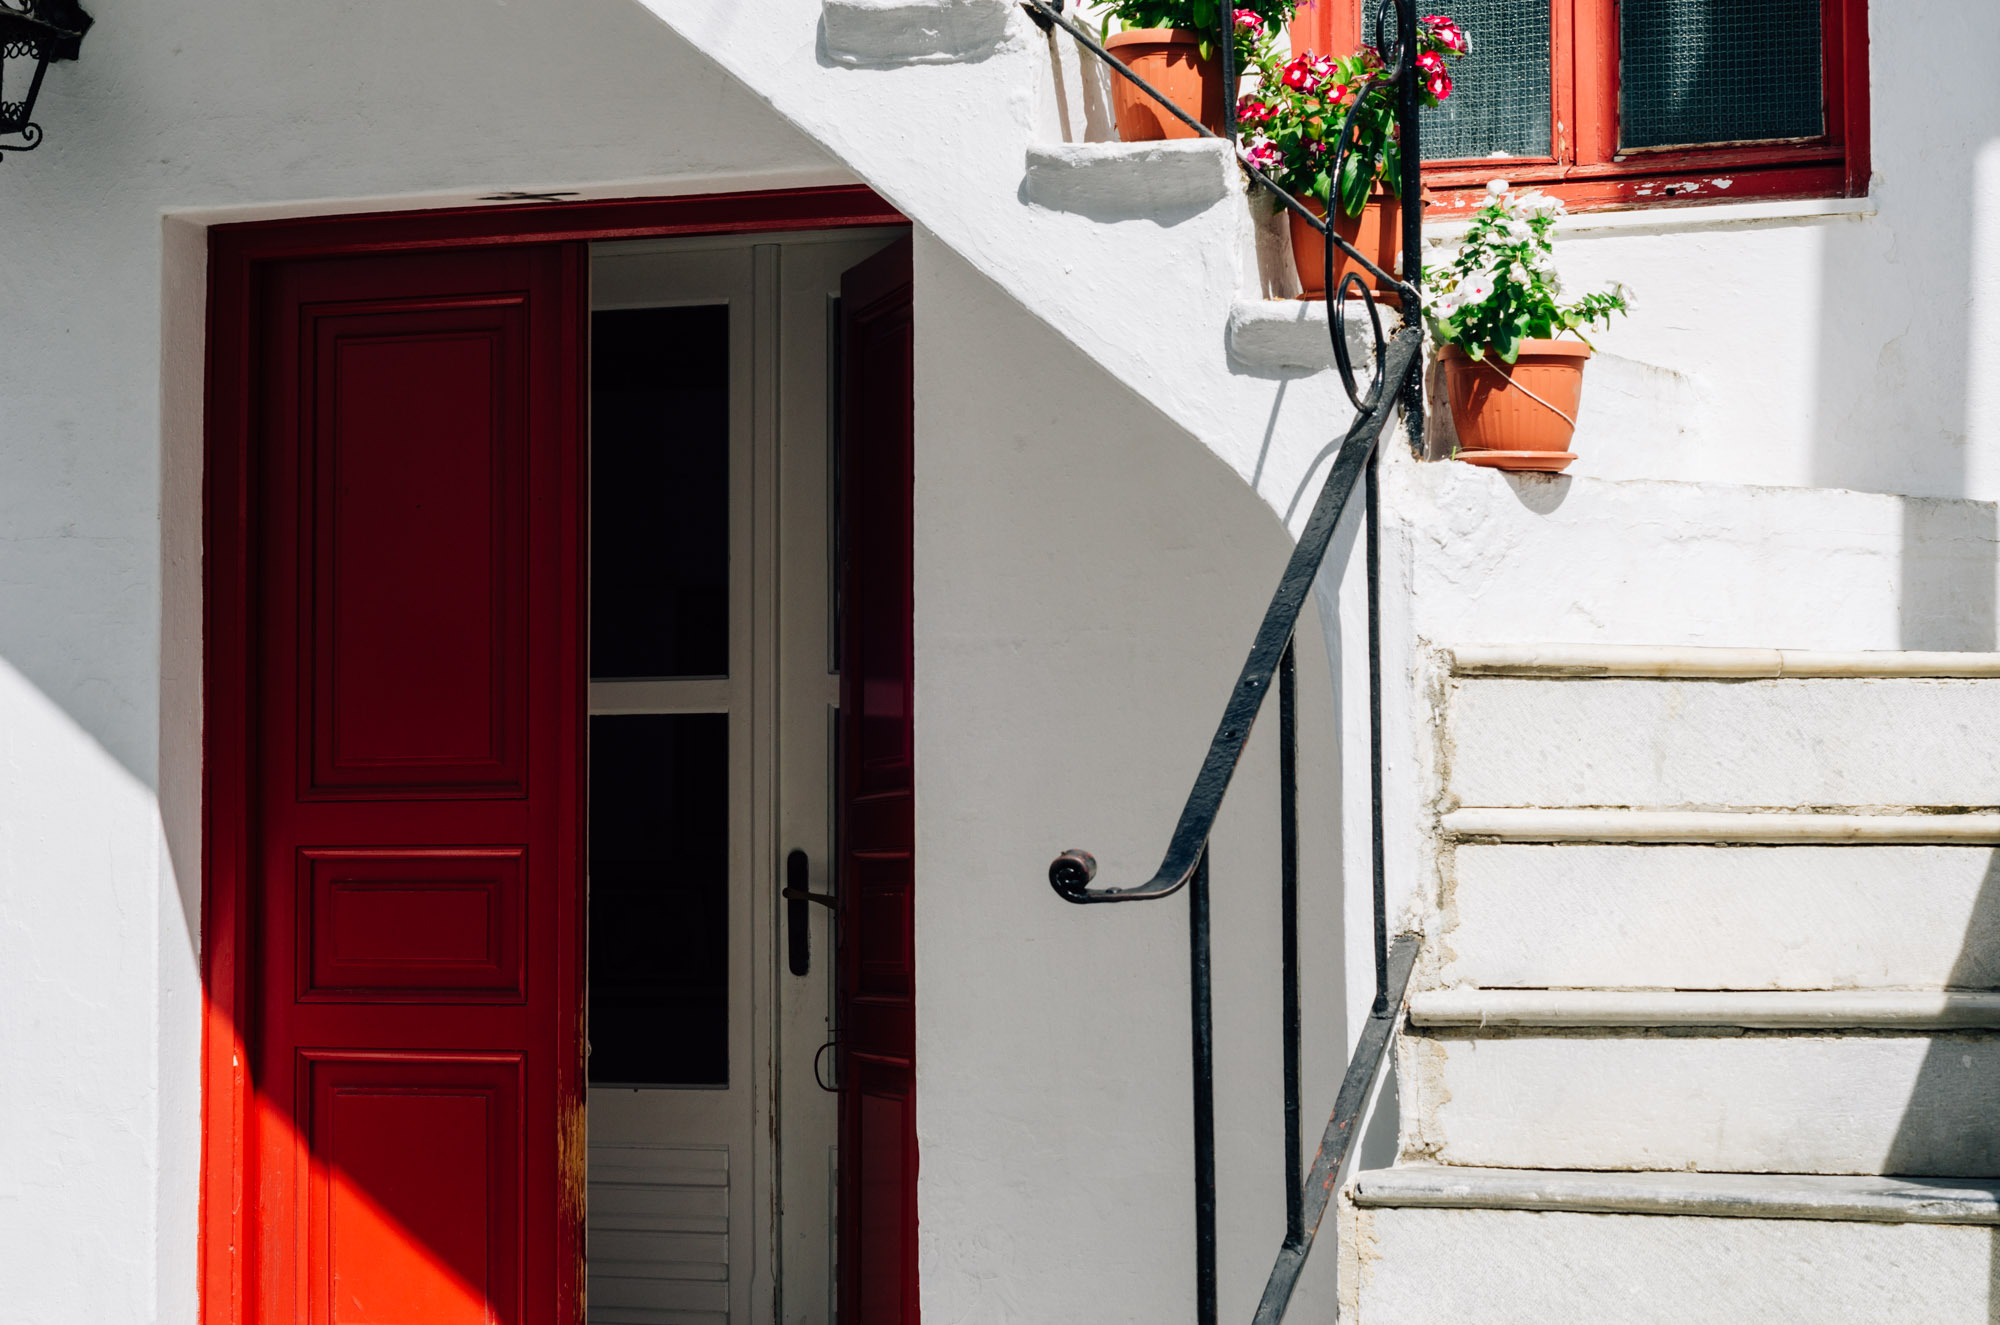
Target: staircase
1704,1029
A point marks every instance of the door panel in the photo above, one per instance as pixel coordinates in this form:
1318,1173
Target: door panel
416,1051
878,1145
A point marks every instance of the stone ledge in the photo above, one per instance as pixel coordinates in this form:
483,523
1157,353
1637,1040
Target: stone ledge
892,32
1782,1009
1538,825
1290,335
1586,660
1162,181
1723,1195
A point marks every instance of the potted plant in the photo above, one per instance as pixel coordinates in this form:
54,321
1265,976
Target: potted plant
1171,44
1291,123
1513,385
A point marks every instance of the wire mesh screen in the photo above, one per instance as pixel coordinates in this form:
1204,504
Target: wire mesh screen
1718,71
1499,104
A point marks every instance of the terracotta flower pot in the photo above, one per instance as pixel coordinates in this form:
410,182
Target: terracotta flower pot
1169,59
1377,232
1519,415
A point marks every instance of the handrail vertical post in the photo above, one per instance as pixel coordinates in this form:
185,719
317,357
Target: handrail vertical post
1229,74
1288,846
1409,128
1372,495
1204,1095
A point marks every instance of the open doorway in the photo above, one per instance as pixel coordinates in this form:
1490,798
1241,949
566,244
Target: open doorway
415,735
716,367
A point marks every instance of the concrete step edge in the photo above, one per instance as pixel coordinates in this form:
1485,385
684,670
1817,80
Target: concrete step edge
1533,824
1715,1195
1696,663
1837,1009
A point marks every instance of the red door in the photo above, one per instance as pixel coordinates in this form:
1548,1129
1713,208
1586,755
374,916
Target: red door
416,1053
878,1136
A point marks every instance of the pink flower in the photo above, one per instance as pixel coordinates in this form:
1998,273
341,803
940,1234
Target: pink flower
1249,110
1262,154
1247,20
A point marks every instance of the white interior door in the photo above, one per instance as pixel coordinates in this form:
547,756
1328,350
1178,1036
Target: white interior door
712,694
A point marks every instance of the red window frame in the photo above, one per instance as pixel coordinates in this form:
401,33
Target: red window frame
1587,171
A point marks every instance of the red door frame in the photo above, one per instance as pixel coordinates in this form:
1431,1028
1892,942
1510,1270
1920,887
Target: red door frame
235,253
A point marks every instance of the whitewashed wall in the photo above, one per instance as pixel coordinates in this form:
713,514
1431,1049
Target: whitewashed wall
235,108
1090,565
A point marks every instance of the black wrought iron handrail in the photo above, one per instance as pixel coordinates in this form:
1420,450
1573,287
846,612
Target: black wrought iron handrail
1396,383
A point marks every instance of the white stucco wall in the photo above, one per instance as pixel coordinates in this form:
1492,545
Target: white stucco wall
1091,565
213,110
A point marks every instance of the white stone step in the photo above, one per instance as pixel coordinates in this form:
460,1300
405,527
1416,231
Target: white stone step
1583,915
1526,1248
1777,828
1902,1010
889,32
1130,181
1683,1098
1665,743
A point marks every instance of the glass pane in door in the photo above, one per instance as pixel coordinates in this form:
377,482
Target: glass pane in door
659,899
659,540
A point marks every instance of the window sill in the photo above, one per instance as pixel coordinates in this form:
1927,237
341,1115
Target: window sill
1685,218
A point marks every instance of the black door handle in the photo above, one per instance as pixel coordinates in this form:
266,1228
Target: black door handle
798,933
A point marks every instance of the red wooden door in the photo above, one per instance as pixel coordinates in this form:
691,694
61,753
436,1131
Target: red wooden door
878,1136
417,1049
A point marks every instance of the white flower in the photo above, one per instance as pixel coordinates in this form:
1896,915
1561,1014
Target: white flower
1626,294
1497,187
1537,203
1519,231
1519,274
1475,289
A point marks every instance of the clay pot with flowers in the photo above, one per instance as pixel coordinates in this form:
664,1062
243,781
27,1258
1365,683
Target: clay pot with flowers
1172,45
1291,125
1513,383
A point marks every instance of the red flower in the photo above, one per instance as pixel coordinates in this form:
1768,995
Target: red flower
1252,111
1447,32
1431,62
1248,21
1440,85
1302,75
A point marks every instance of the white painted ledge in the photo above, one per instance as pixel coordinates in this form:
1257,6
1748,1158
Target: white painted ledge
1160,180
1539,825
1843,1009
1560,660
889,32
1716,1195
1290,335
1682,218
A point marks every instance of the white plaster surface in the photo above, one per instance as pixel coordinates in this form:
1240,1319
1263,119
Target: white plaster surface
930,31
1496,1267
1066,537
1763,1102
1701,917
1783,743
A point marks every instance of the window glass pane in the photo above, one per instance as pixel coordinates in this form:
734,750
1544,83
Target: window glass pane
659,900
1499,103
1718,71
659,500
